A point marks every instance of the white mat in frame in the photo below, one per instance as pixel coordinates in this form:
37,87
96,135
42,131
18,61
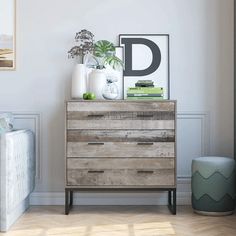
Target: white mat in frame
142,58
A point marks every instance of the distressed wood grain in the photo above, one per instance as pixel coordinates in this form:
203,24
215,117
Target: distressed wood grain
120,106
116,144
120,149
161,177
118,163
121,115
120,124
120,136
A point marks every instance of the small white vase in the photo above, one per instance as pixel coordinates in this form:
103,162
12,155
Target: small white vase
78,84
97,82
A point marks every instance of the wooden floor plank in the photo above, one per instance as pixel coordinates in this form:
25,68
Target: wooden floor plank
120,221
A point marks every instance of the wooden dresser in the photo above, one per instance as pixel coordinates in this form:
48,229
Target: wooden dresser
120,145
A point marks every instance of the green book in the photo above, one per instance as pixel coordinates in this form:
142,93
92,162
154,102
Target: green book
144,94
147,90
144,83
145,98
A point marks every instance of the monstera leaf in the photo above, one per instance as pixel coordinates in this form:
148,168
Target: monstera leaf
105,53
104,48
114,62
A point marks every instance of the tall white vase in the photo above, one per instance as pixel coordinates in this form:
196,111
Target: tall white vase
97,82
78,84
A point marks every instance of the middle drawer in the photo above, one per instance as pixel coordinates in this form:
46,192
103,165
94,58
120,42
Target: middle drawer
155,135
120,149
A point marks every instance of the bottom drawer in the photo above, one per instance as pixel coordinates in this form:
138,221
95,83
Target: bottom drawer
138,172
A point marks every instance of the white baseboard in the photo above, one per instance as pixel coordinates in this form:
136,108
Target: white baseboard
147,198
115,198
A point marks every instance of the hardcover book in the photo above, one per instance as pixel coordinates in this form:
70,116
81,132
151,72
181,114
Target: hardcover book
144,98
147,90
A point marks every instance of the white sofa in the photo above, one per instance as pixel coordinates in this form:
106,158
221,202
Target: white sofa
17,175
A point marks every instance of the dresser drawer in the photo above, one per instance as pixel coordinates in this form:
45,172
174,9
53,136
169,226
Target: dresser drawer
120,135
160,178
121,172
120,149
120,163
111,106
120,124
120,115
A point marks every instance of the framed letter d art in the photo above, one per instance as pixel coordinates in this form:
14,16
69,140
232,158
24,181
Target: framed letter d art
146,61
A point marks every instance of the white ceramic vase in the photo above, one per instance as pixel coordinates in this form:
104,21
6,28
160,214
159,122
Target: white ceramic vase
97,82
78,85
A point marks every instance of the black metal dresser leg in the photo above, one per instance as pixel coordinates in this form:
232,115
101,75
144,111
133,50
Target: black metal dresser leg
169,198
71,198
67,202
172,201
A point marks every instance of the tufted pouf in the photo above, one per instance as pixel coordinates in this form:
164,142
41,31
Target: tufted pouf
213,185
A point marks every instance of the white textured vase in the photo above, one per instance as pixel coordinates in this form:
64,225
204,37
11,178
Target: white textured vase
78,84
97,82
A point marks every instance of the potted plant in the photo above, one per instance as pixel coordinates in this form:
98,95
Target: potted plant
103,56
84,45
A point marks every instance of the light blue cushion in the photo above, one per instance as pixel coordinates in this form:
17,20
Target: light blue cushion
6,122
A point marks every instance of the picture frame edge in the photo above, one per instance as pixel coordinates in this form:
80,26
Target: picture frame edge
168,47
4,69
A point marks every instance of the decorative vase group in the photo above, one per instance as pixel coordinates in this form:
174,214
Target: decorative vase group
98,83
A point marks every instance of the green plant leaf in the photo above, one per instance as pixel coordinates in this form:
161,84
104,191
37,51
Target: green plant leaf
114,62
103,48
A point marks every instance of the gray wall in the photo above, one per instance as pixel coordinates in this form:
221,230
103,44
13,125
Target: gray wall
202,76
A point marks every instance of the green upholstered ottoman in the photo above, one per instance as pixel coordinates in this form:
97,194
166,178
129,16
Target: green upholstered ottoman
213,185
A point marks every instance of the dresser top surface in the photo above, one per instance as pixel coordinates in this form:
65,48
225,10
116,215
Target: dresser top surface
121,101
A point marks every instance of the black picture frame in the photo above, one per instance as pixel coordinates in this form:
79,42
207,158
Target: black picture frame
122,58
168,56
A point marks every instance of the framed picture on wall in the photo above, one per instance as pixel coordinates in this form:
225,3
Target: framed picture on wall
7,34
146,61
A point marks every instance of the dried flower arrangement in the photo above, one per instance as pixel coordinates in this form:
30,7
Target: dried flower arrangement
85,40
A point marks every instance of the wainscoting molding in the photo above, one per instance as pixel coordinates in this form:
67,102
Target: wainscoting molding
116,198
193,140
32,121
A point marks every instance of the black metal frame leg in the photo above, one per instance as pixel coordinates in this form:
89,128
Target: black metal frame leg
71,198
68,201
172,201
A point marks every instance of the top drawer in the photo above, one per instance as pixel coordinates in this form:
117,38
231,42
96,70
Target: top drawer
120,115
120,106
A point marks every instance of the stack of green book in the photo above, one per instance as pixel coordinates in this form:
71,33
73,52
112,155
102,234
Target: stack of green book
144,83
139,93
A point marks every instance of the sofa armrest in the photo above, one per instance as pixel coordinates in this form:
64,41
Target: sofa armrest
17,169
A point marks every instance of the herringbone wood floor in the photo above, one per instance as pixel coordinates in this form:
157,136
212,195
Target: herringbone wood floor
120,221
